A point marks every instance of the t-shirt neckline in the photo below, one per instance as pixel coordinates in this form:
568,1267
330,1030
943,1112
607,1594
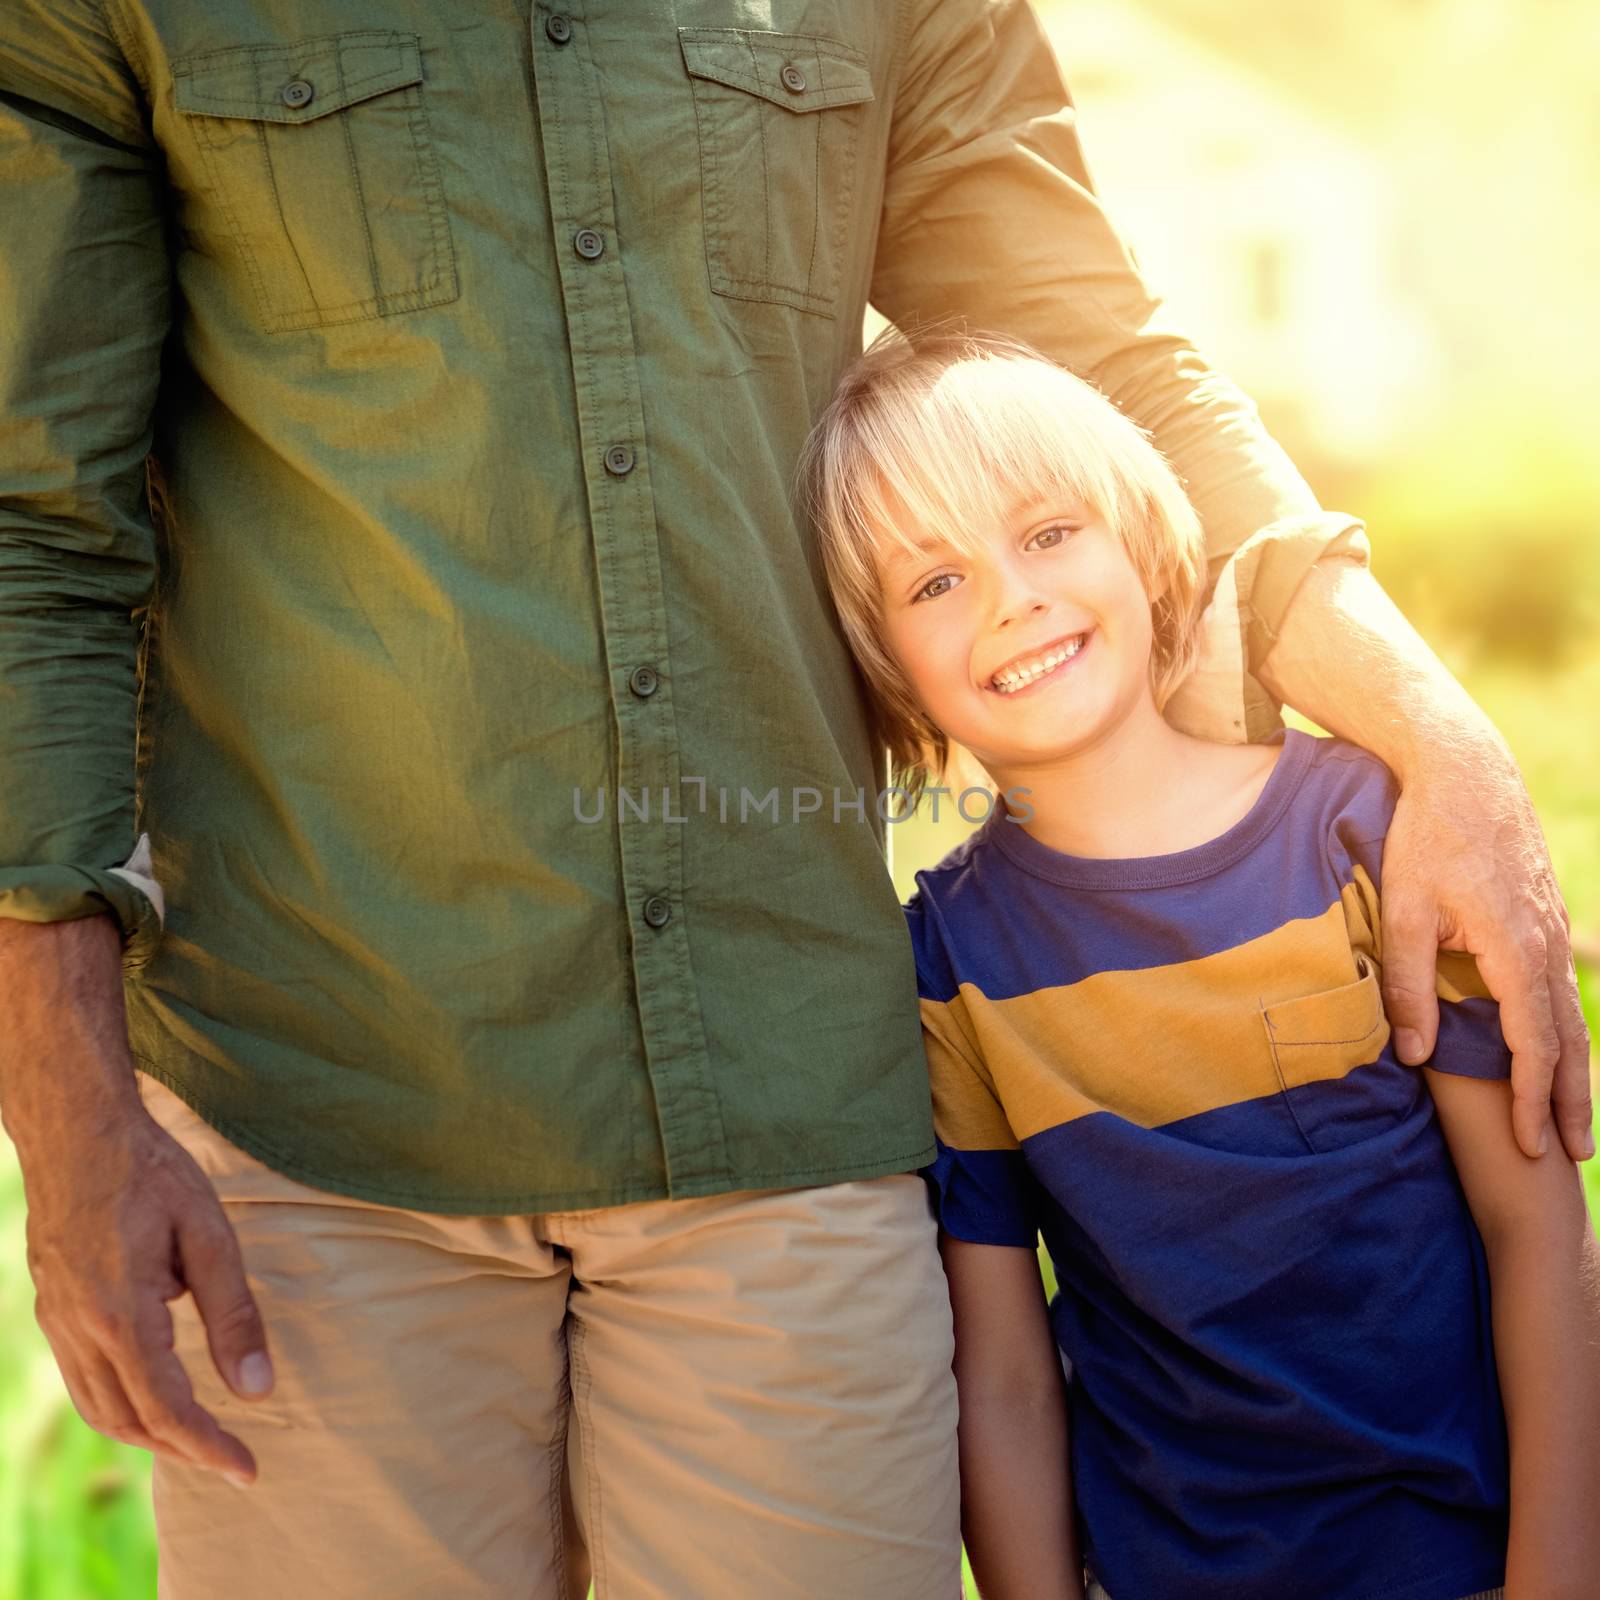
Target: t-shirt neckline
1180,866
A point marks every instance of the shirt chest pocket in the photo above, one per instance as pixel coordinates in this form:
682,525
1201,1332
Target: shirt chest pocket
1317,1043
778,116
320,159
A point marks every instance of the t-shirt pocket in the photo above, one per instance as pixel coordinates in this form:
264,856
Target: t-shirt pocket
320,160
1318,1041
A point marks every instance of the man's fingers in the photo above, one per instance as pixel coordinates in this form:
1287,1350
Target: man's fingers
1512,965
213,1269
163,1399
96,1394
1574,1112
109,1411
1410,960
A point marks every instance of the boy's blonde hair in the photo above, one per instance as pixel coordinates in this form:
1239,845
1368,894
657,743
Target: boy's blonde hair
940,433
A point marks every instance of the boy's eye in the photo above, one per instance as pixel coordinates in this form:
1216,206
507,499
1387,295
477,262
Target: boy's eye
931,589
1048,538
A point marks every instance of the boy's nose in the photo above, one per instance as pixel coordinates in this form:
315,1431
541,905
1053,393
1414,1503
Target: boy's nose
1019,608
1015,595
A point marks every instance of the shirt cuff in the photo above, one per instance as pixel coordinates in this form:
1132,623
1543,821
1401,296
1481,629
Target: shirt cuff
1469,1042
139,870
983,1196
59,892
1223,698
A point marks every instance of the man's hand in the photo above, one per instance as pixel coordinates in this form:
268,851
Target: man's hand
120,1219
1449,880
1465,864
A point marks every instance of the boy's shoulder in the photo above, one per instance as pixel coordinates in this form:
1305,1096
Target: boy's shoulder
1347,798
956,868
1347,770
957,895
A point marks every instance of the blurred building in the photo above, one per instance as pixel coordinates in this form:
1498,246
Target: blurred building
1265,228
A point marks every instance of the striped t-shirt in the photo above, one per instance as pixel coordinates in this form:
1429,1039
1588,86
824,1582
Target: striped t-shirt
1273,1298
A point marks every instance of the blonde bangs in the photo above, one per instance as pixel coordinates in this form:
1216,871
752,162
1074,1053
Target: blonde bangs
950,453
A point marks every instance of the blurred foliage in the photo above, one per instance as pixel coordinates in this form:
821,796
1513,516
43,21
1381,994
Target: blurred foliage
1488,536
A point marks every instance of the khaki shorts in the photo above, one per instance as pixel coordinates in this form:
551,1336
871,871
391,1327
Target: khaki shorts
743,1396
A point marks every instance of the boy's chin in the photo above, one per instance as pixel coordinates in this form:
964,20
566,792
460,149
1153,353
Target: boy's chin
1036,752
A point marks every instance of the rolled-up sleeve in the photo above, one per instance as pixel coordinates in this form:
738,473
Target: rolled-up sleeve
990,216
85,305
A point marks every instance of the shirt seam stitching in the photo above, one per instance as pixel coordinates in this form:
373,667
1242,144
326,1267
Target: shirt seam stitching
135,62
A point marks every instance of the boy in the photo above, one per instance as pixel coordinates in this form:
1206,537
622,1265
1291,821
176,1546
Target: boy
1149,989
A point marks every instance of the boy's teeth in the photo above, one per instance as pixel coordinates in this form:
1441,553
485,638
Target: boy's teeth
1014,678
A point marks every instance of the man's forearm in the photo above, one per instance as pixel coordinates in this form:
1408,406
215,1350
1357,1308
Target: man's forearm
65,1051
1347,658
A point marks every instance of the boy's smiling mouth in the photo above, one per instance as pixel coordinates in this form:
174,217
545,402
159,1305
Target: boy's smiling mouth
1022,672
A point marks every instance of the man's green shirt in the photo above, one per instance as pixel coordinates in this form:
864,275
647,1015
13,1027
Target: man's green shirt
399,409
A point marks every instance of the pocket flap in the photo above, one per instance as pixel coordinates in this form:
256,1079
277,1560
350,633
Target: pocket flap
1325,1035
798,71
251,81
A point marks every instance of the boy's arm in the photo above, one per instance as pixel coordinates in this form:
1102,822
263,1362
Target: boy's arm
1016,1499
1544,1266
1016,1495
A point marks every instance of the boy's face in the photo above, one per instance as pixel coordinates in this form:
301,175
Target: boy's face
1036,648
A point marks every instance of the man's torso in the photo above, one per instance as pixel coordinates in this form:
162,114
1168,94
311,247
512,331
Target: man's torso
496,342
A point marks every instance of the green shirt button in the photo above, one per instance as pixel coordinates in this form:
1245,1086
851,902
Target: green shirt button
588,243
657,911
296,93
619,460
794,80
558,29
644,681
